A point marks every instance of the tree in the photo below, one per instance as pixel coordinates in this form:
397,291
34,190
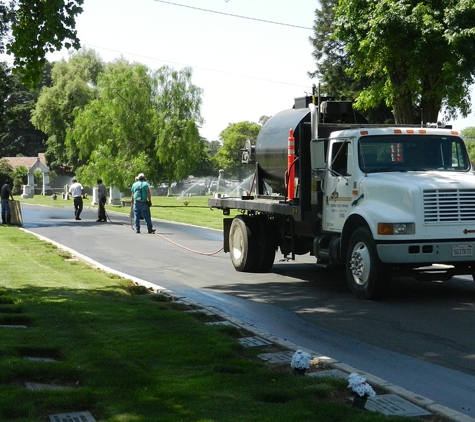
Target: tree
113,132
233,139
29,29
5,88
206,166
177,104
20,177
18,136
469,133
6,170
4,24
73,86
471,150
140,121
334,65
263,120
330,55
419,55
212,147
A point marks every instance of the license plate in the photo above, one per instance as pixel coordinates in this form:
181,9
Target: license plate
462,250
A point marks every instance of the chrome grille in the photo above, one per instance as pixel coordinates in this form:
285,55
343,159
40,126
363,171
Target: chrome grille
446,205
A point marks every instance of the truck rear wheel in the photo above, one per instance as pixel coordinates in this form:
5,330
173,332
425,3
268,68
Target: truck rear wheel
367,276
267,246
243,243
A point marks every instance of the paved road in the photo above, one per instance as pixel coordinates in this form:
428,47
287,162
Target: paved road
420,339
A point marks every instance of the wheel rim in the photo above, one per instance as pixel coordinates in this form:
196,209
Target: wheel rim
360,263
237,244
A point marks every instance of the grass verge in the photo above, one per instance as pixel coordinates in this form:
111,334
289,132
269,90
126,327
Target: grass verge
127,355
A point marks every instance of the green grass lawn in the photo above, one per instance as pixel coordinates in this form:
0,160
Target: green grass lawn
126,354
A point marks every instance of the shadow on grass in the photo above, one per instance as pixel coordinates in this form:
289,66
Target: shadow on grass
120,352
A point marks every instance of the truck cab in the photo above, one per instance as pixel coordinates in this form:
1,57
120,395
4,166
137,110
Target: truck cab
400,200
379,200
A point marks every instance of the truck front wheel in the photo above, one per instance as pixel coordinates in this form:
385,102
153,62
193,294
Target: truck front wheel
243,243
367,276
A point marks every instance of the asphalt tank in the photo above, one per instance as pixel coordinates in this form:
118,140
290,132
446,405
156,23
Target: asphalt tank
271,150
271,147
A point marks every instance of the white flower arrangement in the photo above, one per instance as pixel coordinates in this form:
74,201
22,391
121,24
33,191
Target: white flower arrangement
300,360
359,386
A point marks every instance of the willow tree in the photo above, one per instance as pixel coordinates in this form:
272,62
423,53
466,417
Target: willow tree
72,87
113,132
177,106
419,55
139,121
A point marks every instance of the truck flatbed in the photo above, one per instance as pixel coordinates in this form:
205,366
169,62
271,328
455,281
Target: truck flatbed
259,204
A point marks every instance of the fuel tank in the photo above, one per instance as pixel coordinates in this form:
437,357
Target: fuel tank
271,150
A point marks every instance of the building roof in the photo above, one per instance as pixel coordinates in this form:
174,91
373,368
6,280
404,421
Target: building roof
27,162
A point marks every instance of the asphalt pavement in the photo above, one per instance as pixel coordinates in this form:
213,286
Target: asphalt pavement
169,262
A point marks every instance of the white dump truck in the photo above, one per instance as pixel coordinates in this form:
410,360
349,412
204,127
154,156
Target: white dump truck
382,201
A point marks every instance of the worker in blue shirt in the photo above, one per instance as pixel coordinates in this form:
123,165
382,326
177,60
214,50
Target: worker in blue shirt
142,202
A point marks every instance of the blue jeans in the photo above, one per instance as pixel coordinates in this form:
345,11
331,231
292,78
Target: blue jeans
6,207
142,208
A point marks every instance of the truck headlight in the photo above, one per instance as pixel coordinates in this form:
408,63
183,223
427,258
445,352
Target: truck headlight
396,228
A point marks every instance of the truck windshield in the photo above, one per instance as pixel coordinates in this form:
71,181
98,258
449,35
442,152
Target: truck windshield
386,153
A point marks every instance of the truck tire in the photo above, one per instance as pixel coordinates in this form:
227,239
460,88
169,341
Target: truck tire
367,276
267,246
243,243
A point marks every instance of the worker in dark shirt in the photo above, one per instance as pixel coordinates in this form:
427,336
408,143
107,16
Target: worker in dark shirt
5,194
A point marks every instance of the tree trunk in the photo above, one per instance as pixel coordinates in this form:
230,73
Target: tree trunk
430,108
403,108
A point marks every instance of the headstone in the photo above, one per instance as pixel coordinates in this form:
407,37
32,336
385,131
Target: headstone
393,405
38,387
13,326
46,183
253,342
72,417
335,373
226,323
114,196
34,359
28,191
201,311
282,357
95,196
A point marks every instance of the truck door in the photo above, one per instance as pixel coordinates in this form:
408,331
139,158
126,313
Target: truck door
338,185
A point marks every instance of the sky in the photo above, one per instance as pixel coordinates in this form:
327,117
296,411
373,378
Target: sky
250,57
247,68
